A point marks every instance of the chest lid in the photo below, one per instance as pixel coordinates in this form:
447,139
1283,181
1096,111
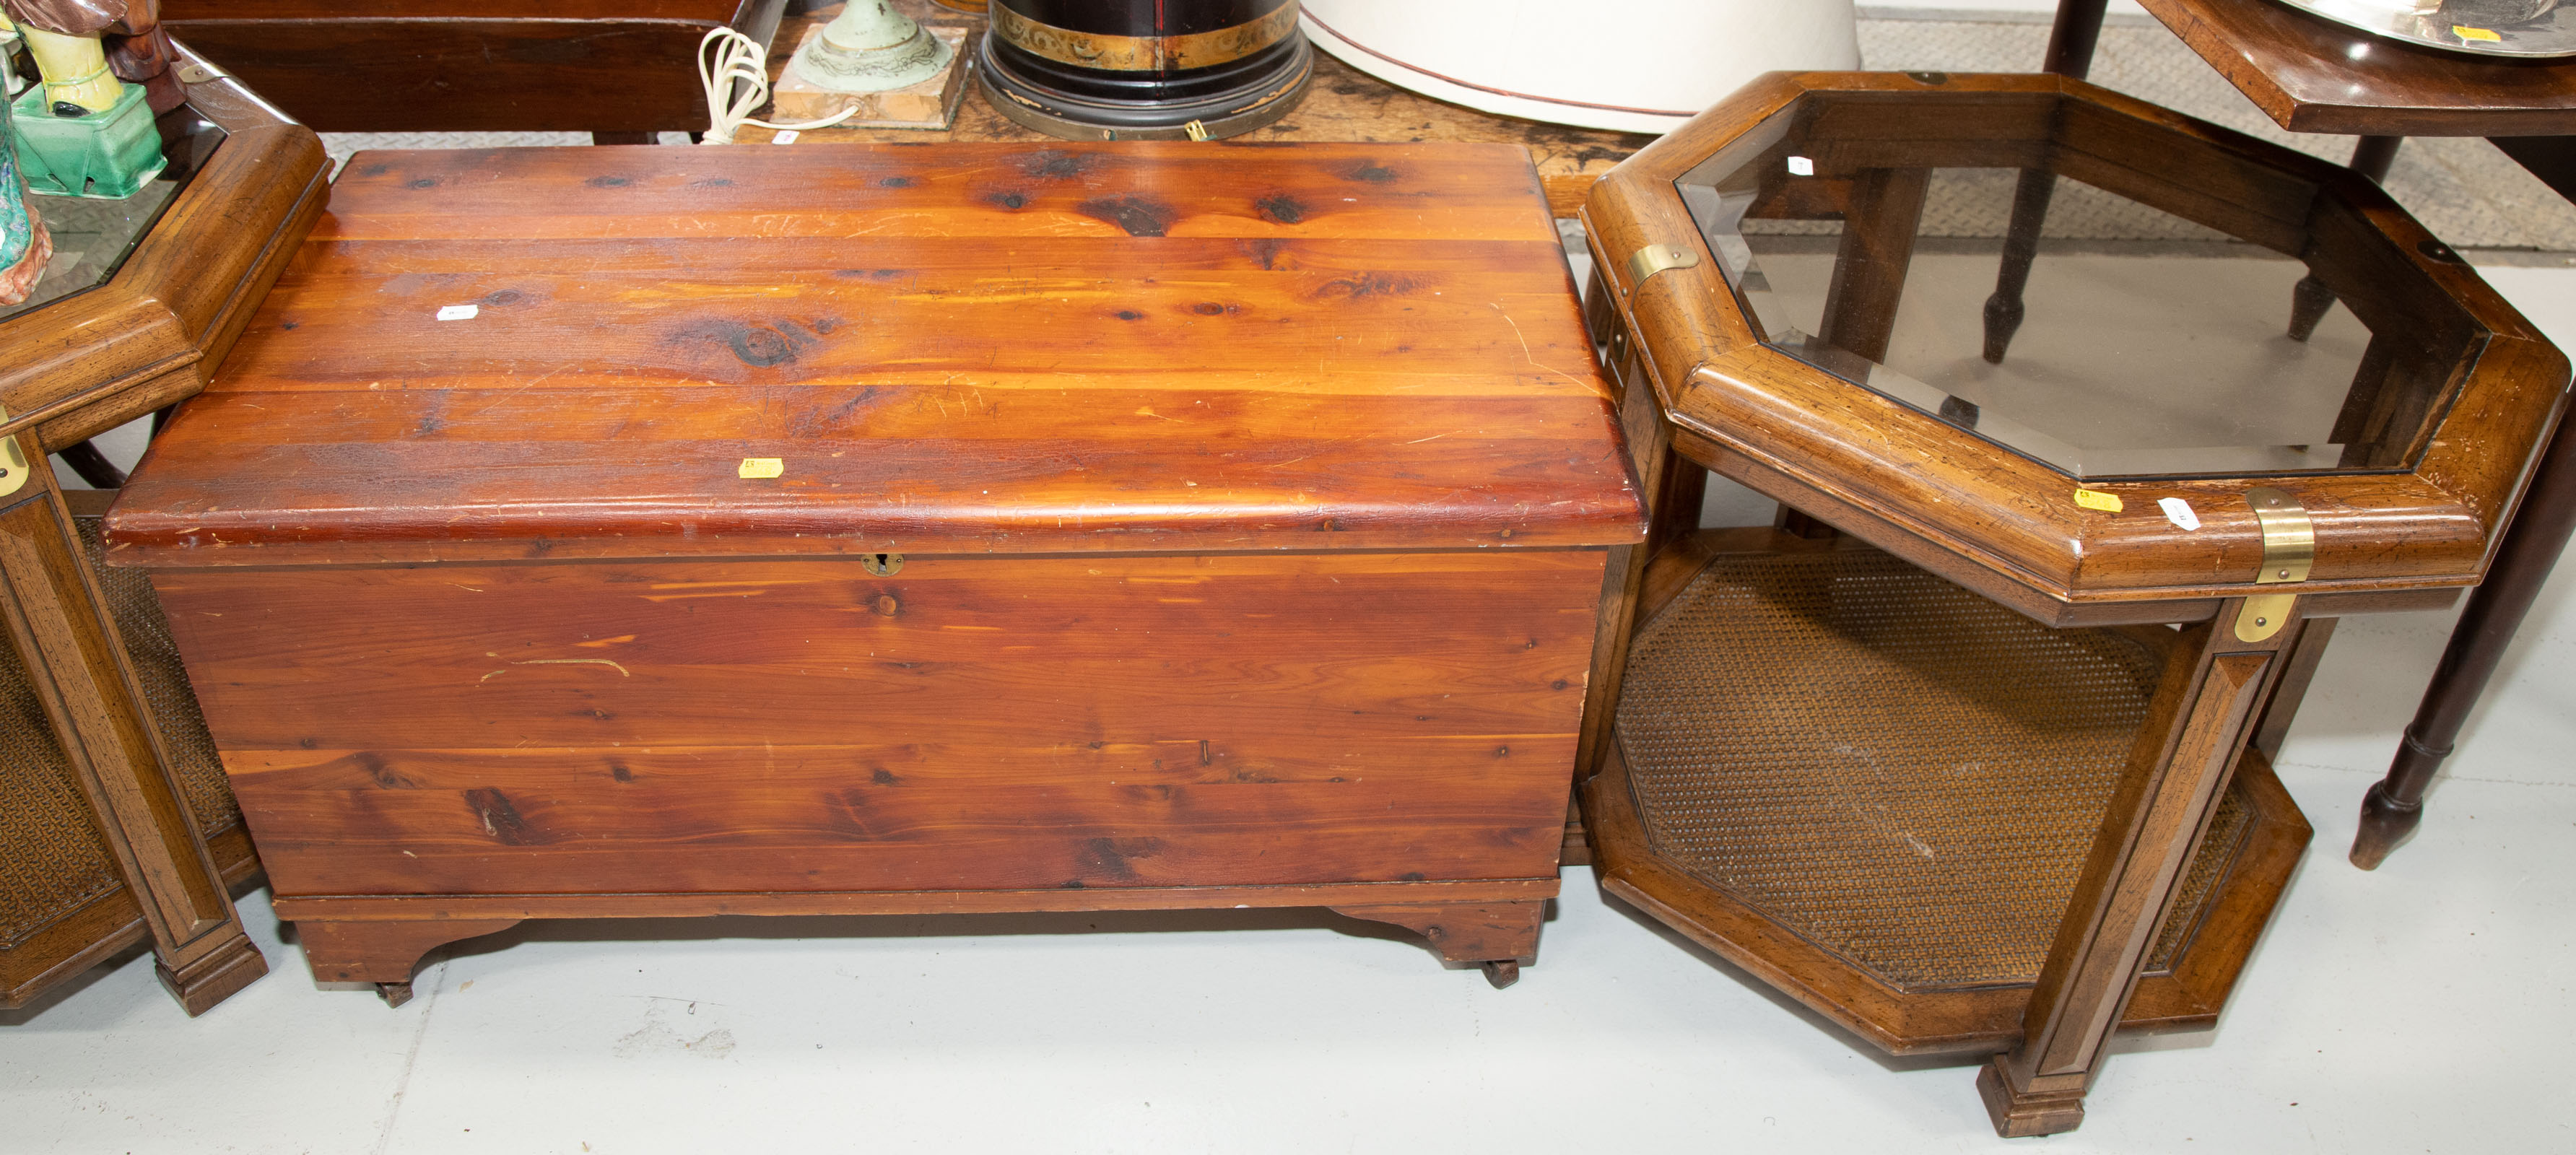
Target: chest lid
835,350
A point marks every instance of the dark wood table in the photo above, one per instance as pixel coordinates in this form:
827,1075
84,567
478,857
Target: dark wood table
621,70
2312,75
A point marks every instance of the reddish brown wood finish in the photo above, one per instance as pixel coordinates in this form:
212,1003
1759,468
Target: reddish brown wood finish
803,726
1157,526
966,350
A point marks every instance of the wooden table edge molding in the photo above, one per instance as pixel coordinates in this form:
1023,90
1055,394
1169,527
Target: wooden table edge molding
1342,105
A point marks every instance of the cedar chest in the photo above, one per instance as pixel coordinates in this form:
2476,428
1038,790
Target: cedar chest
884,529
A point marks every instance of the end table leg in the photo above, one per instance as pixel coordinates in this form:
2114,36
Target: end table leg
2194,732
74,655
2310,298
2539,533
2071,41
2021,247
213,976
1869,267
2072,38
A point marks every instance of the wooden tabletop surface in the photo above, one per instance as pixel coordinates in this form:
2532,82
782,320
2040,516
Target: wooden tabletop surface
978,348
1342,104
2313,75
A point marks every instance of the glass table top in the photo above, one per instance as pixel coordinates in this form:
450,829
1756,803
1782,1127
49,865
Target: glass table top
2150,346
93,237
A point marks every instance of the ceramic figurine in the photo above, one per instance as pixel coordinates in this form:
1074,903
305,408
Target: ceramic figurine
24,244
84,132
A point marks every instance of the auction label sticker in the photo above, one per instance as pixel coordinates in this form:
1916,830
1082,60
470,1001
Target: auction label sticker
2096,499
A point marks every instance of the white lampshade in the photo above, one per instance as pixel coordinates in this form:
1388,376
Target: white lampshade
1630,65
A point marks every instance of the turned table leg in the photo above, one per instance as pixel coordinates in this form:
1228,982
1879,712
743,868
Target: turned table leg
2070,53
2195,728
2495,609
2539,533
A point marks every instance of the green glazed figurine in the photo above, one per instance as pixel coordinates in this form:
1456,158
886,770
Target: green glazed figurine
82,132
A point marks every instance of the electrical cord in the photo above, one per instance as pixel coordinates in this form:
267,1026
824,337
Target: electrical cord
739,57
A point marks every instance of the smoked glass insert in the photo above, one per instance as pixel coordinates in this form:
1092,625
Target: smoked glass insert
92,237
2149,345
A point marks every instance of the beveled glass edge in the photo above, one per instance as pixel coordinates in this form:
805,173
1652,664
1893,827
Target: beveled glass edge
1719,217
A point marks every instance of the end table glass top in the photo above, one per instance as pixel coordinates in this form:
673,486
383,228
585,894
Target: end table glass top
93,237
2150,345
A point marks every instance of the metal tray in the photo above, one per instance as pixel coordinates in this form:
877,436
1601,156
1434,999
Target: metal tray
2522,28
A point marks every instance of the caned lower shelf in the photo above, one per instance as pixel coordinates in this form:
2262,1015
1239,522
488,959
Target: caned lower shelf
1876,789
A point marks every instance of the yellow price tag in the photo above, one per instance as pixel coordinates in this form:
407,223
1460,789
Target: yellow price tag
761,467
2465,32
2096,499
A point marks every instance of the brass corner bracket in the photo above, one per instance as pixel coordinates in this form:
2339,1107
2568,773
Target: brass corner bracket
14,468
1652,259
2289,549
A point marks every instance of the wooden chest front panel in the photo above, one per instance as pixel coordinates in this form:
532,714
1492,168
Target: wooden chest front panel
964,723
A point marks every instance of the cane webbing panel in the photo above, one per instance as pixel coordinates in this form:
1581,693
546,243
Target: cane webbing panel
1897,770
52,861
2229,823
184,739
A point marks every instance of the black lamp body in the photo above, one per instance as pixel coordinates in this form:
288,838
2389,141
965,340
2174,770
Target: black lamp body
1144,69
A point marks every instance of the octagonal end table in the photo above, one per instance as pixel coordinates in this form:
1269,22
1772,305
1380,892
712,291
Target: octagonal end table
1966,751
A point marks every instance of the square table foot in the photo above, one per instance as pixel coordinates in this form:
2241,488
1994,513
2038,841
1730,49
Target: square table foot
2022,1115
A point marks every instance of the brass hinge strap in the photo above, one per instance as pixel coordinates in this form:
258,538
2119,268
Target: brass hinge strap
2289,549
14,469
1652,259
